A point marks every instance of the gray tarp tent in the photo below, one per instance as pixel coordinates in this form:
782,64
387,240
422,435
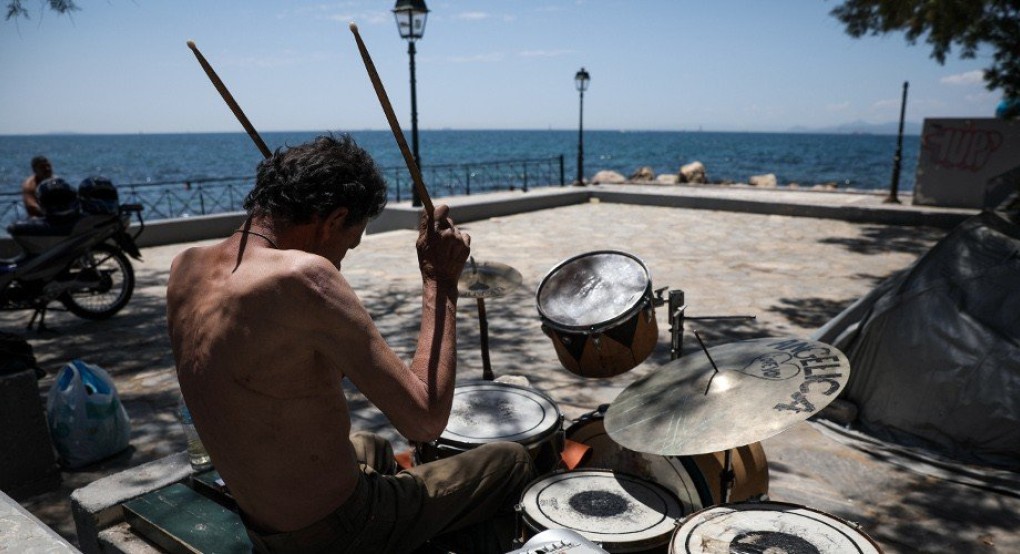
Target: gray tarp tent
935,350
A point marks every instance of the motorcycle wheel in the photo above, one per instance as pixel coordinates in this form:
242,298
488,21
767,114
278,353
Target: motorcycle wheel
115,282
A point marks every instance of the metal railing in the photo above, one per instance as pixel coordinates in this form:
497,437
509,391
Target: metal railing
453,179
175,199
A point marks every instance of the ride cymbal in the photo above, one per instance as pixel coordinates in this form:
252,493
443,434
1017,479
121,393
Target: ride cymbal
487,280
763,387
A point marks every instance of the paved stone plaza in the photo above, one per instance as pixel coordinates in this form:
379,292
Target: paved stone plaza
792,273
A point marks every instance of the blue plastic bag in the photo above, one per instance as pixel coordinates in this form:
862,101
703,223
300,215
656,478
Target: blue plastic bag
87,421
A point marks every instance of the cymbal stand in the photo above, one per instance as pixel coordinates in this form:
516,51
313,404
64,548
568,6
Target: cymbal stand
677,315
727,476
483,331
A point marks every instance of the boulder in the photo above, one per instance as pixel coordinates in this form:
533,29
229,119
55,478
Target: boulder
831,185
608,177
666,179
767,181
644,174
693,172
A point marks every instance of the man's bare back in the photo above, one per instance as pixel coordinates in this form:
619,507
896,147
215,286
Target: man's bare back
261,377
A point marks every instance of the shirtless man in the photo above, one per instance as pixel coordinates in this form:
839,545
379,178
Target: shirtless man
41,170
264,327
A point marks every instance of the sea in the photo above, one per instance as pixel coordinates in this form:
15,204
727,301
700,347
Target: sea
856,161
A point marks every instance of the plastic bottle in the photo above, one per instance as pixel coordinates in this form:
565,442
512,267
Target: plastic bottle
199,458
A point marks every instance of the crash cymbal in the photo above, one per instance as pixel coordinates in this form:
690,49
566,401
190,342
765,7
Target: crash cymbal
763,387
487,280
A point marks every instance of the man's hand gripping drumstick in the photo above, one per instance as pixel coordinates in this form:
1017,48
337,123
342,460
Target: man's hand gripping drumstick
435,221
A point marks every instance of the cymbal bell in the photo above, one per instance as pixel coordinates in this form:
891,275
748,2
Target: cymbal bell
487,280
763,387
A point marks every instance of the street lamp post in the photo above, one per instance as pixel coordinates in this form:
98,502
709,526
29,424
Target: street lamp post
581,81
894,187
411,16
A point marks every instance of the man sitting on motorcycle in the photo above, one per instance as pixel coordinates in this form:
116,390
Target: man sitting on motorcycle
41,170
264,327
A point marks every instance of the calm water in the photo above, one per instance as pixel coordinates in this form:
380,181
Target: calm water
860,161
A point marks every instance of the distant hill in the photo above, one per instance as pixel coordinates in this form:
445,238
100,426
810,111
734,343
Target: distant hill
863,128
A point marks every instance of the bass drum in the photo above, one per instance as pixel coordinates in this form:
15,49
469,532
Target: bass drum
769,527
695,480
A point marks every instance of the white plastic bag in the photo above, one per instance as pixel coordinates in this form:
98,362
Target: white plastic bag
87,421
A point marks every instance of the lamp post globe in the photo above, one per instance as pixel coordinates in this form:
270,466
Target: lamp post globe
411,16
581,79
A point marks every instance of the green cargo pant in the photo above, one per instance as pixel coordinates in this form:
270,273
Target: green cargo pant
464,503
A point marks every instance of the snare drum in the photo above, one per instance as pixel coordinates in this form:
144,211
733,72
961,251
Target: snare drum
695,480
488,411
621,512
598,310
769,527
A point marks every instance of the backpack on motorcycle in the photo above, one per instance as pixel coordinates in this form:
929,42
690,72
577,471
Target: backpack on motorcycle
58,200
98,196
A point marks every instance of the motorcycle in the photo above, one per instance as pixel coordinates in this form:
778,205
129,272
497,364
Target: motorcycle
77,255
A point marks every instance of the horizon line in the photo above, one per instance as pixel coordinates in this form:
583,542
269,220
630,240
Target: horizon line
797,130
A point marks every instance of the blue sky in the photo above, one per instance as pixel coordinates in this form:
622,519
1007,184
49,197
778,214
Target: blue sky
122,66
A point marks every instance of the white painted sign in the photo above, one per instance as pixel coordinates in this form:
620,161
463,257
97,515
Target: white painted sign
968,163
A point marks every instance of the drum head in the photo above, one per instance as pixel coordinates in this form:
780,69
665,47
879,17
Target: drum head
768,527
622,512
592,290
487,411
680,475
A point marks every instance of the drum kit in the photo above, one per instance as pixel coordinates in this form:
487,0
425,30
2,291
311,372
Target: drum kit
675,462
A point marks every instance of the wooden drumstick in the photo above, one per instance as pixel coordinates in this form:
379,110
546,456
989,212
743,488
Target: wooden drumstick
230,101
419,185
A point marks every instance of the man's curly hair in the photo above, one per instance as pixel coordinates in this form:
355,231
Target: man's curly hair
298,183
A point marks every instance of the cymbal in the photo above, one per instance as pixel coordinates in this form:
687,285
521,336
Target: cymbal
763,387
487,280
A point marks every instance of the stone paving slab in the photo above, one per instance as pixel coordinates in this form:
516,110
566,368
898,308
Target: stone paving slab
792,273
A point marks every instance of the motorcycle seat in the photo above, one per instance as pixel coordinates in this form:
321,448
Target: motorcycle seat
40,227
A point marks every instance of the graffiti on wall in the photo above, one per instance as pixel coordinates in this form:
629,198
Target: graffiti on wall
965,147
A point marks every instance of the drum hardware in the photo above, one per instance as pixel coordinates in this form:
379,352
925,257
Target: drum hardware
688,406
481,281
677,316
